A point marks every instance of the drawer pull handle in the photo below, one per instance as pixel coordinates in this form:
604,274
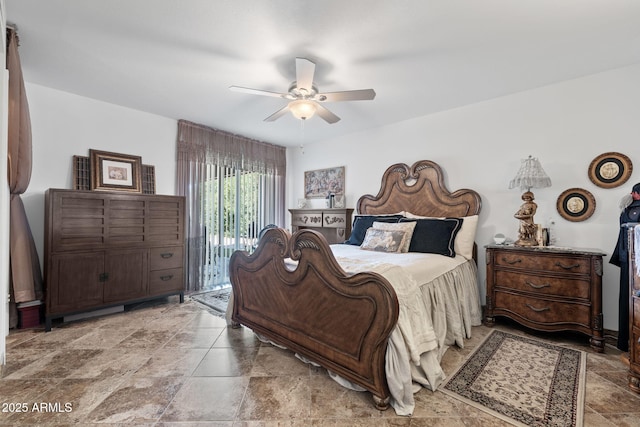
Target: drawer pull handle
537,310
515,261
167,277
167,255
567,267
534,286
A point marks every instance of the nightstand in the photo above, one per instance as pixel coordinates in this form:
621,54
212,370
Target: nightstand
547,289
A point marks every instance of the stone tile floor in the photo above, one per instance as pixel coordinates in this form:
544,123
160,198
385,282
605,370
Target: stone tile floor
170,364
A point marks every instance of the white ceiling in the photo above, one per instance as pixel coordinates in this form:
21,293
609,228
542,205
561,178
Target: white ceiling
177,58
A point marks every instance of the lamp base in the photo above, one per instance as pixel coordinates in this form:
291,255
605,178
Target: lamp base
528,228
525,242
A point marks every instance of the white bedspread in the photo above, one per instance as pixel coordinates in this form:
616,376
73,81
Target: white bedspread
439,302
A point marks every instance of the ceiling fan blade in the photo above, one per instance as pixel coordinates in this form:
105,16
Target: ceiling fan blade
327,115
275,116
305,70
349,95
258,92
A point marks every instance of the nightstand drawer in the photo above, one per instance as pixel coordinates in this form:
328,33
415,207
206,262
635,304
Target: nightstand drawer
548,263
566,287
542,311
636,313
307,219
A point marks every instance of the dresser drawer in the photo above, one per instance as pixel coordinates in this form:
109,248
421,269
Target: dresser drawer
166,280
636,312
541,310
547,263
167,257
307,219
565,287
331,220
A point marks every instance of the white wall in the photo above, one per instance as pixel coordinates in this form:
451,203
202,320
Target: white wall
64,125
480,147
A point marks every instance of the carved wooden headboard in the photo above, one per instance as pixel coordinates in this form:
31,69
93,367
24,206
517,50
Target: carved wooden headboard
419,189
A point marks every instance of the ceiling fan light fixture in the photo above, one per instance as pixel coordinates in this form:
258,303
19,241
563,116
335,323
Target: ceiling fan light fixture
302,109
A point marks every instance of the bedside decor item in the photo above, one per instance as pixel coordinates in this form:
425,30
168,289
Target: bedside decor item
531,175
499,239
576,204
610,170
113,171
318,184
302,203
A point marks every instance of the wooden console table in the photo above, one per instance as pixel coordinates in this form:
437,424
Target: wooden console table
547,289
334,224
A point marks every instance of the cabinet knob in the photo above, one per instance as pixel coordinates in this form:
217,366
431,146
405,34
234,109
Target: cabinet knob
167,255
103,277
514,261
167,277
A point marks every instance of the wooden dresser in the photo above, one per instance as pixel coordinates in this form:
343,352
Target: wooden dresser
547,289
634,310
334,224
105,249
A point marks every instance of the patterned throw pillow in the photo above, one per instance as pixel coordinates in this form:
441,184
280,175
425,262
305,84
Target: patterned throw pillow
384,240
407,227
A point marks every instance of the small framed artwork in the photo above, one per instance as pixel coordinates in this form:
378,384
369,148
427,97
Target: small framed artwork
318,184
576,204
113,171
610,170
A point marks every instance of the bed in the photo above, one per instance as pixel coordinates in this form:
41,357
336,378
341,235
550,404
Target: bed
377,321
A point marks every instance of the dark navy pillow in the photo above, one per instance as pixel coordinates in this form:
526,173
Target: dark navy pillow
434,235
363,222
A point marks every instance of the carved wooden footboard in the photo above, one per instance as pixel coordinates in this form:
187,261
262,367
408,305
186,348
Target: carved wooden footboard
340,321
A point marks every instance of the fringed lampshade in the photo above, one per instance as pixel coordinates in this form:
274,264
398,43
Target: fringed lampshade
531,175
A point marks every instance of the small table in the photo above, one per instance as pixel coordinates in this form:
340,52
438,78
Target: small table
547,288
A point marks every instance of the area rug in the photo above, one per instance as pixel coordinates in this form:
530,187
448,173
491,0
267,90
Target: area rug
522,381
216,300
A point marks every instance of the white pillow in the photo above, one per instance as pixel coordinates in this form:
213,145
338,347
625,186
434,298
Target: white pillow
465,238
407,227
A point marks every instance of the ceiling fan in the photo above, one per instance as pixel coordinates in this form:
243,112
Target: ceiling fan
305,99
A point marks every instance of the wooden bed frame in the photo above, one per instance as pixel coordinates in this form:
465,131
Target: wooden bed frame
337,320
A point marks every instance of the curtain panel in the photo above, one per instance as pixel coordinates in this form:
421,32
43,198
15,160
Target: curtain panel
200,147
25,276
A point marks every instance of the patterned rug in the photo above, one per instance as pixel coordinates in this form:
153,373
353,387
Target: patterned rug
216,300
522,381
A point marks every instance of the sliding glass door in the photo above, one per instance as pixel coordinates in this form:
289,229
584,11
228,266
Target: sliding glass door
237,205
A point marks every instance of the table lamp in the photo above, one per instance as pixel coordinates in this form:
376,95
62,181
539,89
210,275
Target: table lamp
531,175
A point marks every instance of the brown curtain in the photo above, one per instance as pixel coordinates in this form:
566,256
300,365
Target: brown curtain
200,146
25,278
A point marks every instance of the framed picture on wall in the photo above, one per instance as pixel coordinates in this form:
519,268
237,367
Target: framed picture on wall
318,184
114,171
